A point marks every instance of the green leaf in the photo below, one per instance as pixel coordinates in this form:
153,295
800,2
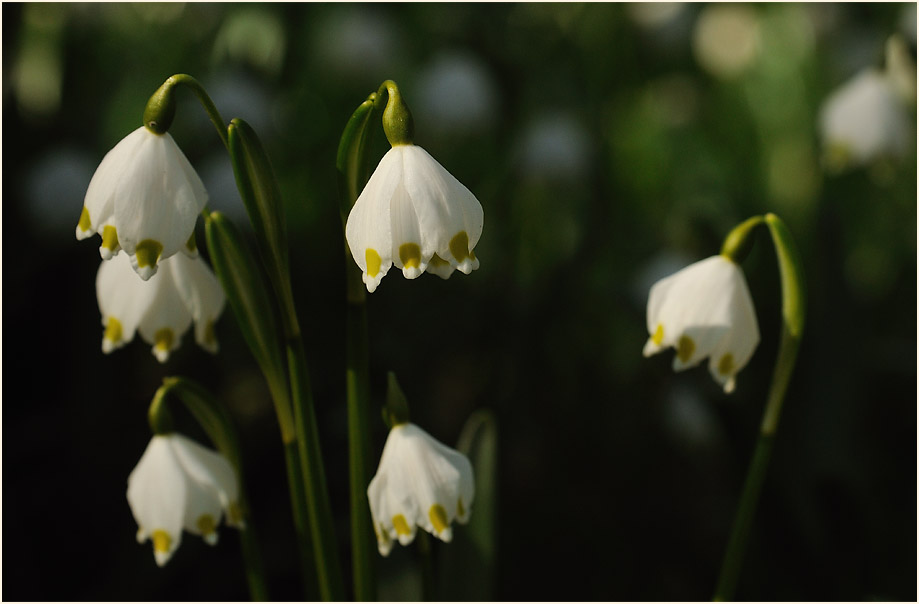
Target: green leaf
260,194
351,160
467,569
255,313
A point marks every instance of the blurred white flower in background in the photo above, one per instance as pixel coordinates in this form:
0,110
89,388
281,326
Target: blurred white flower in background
726,39
866,118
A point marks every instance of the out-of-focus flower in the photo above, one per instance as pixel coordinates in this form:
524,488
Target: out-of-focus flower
416,215
866,119
179,484
420,482
704,310
726,39
144,198
161,308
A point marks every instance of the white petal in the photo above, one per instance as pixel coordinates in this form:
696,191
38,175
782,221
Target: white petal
158,197
208,468
100,195
369,224
406,235
734,352
864,118
121,295
420,483
202,294
445,207
165,310
157,493
704,310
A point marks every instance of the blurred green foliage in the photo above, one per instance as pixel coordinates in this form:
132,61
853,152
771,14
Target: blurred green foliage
609,145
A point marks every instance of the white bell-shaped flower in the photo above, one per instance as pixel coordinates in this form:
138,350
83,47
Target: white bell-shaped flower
179,484
161,308
704,310
416,215
862,121
144,198
420,482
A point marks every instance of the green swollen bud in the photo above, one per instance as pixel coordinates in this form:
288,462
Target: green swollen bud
397,119
739,241
161,108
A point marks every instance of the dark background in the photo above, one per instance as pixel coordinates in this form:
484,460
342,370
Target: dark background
607,151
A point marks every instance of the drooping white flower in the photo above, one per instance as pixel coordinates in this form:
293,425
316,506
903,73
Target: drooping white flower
144,198
179,484
161,308
704,310
420,482
416,215
862,121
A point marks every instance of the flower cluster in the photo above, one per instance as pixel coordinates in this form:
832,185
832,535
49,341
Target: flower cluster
144,199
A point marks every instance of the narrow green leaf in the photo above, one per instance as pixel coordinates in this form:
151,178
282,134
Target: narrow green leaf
262,198
473,552
351,160
245,289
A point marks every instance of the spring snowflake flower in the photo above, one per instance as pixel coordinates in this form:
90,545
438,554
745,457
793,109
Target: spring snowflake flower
416,215
162,308
420,482
704,310
867,117
144,198
179,484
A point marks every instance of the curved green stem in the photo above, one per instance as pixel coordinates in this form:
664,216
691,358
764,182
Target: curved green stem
793,312
218,425
209,107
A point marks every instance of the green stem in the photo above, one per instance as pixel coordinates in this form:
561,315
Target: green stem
351,162
427,567
358,396
301,520
317,495
793,313
209,107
